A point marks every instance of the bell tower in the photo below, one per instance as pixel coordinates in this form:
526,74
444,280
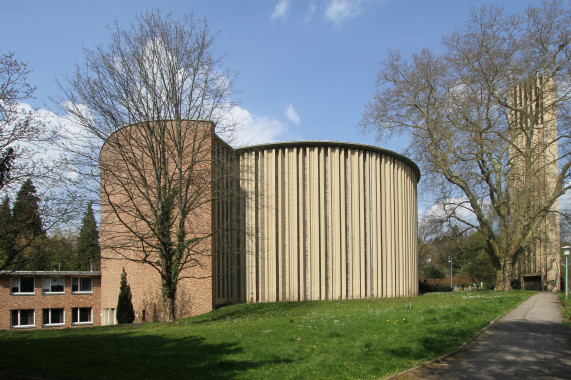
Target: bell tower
533,175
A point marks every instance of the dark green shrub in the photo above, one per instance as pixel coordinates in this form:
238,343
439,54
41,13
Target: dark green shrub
125,312
488,286
424,287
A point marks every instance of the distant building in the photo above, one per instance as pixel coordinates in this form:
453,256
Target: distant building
41,299
308,221
534,179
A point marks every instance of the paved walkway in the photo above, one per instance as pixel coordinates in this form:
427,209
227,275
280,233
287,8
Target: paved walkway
530,342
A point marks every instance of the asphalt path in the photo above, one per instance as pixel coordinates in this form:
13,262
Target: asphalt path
530,342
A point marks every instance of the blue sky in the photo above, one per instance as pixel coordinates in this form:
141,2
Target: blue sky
306,68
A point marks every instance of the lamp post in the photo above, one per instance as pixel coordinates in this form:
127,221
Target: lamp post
566,251
451,274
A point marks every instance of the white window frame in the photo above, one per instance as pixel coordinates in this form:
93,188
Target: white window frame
18,281
50,324
20,326
76,312
77,281
49,281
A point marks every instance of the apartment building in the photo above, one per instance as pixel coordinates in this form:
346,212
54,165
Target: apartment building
45,299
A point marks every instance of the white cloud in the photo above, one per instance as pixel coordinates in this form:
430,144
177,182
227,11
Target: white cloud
63,136
292,115
340,10
43,148
457,206
52,168
281,9
255,129
336,11
310,12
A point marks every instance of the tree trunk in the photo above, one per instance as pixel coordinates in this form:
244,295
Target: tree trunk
504,274
169,294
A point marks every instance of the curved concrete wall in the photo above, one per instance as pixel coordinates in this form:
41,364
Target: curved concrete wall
327,221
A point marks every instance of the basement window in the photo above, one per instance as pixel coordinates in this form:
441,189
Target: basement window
81,285
22,319
22,285
81,316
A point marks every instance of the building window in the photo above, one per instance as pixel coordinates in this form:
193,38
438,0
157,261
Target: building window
54,285
22,318
53,317
81,316
81,285
22,285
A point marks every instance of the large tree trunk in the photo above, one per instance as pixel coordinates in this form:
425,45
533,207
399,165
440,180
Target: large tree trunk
504,274
169,294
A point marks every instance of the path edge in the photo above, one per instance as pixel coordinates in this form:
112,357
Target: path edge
462,347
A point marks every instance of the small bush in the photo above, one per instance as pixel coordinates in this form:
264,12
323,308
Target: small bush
432,272
488,286
424,287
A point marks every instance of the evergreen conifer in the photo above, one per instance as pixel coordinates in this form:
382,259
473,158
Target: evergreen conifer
88,249
5,218
28,229
125,312
6,162
26,212
7,235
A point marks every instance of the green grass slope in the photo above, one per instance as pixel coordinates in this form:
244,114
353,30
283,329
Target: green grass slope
328,339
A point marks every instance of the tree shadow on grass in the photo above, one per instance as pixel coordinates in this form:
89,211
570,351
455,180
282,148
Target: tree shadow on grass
122,354
250,310
429,347
438,342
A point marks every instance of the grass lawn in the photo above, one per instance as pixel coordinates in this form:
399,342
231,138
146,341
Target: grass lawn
329,339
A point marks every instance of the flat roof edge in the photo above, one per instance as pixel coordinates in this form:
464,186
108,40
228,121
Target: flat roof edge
49,273
336,144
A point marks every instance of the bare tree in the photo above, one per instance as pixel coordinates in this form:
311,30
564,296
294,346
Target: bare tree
472,132
17,125
23,145
143,97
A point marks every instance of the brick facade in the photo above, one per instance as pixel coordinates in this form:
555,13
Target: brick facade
194,296
40,300
118,242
